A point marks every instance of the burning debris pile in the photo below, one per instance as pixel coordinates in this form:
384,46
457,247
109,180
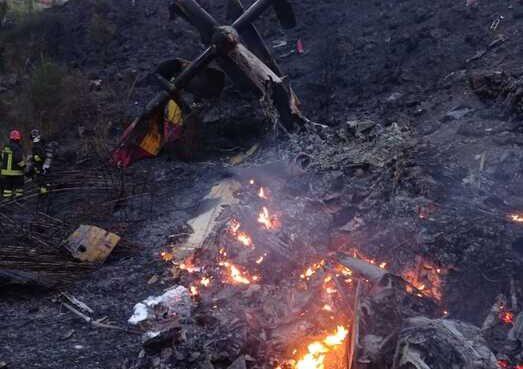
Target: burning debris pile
282,277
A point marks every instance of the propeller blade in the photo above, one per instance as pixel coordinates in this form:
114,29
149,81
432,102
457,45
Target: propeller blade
282,8
197,16
254,11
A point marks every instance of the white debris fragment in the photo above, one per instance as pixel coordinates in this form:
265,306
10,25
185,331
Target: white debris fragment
175,303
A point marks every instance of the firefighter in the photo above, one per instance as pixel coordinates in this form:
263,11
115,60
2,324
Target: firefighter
12,167
40,163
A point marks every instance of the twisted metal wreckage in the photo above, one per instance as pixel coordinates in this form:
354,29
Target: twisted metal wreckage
242,55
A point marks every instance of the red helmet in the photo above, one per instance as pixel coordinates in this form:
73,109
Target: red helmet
15,135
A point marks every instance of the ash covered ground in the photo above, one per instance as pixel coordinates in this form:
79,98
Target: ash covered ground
431,166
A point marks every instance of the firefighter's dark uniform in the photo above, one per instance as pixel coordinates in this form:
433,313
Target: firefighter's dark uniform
41,153
12,170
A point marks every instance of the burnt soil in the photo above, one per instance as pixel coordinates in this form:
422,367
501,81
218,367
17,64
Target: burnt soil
399,62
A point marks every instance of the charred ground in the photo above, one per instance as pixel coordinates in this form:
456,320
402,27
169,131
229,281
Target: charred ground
440,84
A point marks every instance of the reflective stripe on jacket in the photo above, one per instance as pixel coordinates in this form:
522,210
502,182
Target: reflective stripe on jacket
12,163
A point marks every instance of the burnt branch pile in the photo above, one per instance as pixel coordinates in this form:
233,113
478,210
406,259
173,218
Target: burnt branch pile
34,228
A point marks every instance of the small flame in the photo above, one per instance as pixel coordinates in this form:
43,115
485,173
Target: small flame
236,275
194,291
262,194
383,265
327,307
251,181
260,260
166,256
206,281
310,271
266,219
507,317
518,218
189,267
234,226
307,273
244,239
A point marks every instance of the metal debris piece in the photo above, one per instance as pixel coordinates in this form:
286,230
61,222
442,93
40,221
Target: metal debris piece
365,269
90,243
441,344
220,195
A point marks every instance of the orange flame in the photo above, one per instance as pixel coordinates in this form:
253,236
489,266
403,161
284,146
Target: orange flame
194,291
244,239
234,226
518,218
166,256
189,267
236,275
507,317
270,222
310,271
264,218
317,350
206,281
